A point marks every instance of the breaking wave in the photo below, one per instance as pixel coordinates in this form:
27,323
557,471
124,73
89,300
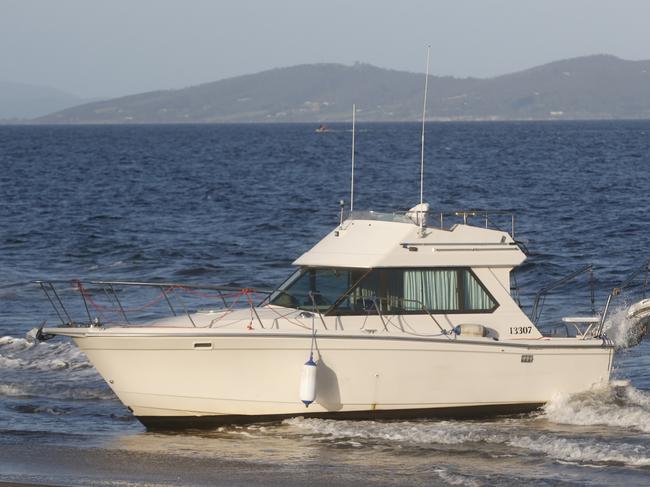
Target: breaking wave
20,353
54,370
616,404
11,390
584,451
621,412
74,392
456,479
514,435
442,433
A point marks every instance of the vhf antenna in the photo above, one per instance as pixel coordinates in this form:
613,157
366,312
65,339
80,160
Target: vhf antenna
354,114
424,116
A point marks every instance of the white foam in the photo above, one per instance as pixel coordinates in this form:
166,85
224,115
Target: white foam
444,432
615,404
74,392
11,363
11,390
456,479
619,328
19,353
87,394
15,343
584,451
507,433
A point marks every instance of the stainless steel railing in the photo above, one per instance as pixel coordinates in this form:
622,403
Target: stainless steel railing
383,307
487,218
113,304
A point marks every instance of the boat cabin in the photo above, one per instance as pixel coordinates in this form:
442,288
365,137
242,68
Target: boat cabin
393,264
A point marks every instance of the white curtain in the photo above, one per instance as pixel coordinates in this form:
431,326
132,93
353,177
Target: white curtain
475,297
435,289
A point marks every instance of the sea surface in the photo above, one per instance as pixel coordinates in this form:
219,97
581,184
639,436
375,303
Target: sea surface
235,204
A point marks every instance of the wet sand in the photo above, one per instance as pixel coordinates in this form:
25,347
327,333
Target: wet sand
56,466
15,484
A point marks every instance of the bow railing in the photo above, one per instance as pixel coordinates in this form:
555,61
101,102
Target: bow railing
101,302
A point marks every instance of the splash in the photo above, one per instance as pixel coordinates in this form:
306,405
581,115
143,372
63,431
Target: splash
19,353
14,343
616,404
624,331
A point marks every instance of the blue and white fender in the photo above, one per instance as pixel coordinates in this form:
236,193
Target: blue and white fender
308,382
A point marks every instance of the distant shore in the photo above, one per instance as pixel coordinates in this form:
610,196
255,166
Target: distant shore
316,123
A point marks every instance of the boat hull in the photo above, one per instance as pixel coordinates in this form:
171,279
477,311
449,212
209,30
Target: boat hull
459,412
178,381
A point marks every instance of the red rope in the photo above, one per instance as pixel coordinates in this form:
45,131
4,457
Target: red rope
248,292
107,309
209,296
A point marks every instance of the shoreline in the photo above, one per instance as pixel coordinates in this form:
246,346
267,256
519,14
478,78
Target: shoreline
44,465
20,484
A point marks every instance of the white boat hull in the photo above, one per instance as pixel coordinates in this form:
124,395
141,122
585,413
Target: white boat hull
169,381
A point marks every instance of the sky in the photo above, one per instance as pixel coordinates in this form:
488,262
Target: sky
106,48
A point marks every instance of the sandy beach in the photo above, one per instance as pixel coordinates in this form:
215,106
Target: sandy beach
17,484
55,466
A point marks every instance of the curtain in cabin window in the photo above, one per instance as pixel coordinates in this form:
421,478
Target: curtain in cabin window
435,289
474,296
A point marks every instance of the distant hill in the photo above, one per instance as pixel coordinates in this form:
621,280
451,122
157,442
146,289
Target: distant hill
19,101
592,87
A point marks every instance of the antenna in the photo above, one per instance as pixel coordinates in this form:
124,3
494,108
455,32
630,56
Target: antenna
424,115
354,114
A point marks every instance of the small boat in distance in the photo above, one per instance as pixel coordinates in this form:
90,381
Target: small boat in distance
323,128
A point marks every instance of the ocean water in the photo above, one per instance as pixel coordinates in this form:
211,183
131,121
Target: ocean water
236,204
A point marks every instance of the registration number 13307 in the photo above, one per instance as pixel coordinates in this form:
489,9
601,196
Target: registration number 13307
520,330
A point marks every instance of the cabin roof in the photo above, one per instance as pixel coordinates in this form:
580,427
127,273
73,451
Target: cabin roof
369,240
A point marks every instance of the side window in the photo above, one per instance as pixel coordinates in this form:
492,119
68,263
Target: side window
329,285
396,291
475,298
433,289
364,297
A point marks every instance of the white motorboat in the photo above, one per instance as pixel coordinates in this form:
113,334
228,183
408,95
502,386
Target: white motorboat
402,319
386,317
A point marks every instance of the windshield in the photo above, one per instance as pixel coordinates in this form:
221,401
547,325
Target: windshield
325,285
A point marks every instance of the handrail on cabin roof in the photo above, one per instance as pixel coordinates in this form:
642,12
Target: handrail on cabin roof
440,216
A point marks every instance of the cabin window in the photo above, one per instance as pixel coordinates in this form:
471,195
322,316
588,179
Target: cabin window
475,297
325,285
388,291
431,289
410,291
